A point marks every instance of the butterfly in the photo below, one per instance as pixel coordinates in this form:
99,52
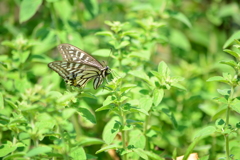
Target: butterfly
79,67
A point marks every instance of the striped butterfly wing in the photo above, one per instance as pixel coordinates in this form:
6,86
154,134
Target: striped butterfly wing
71,53
78,67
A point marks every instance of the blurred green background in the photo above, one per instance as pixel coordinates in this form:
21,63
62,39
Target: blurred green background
132,37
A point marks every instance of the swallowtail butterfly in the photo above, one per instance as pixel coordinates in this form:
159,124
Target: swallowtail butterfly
79,67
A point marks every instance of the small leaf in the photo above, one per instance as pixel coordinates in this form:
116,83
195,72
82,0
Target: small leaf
231,63
38,150
233,53
217,78
157,96
28,8
7,148
102,53
105,33
163,69
68,112
145,103
110,130
84,112
224,92
114,147
220,123
78,153
205,132
231,39
181,17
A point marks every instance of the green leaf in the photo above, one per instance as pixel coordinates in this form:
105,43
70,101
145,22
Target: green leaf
220,123
7,148
236,35
68,112
179,86
170,116
1,101
145,103
141,75
163,69
233,53
140,152
137,139
224,92
181,17
78,153
143,54
207,131
153,156
123,44
217,78
65,13
157,96
102,53
231,63
114,147
28,8
87,114
38,151
92,7
236,105
90,141
110,130
105,33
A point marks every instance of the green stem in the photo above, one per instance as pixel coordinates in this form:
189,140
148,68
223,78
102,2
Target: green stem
226,136
54,16
145,131
123,118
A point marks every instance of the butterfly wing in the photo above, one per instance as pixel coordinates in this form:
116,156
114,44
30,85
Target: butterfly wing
71,53
76,74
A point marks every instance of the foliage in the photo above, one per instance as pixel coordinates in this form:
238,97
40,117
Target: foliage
159,100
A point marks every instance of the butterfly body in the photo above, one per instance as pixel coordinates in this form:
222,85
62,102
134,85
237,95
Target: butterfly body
79,67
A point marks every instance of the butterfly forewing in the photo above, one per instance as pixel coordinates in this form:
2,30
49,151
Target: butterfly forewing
73,54
78,67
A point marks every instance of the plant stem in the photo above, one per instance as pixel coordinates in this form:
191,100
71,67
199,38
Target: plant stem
123,133
226,136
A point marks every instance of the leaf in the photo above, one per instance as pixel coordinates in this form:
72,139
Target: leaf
230,63
28,8
68,112
38,150
92,7
78,153
157,96
170,116
105,33
90,141
233,53
217,78
205,132
163,69
110,130
114,147
141,75
181,17
140,152
102,53
87,114
224,92
236,105
236,35
7,148
145,103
